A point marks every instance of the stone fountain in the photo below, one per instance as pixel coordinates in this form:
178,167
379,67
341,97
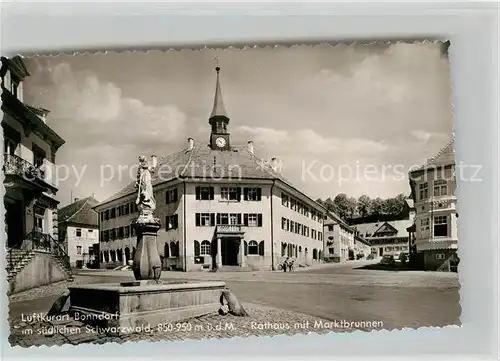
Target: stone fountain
146,302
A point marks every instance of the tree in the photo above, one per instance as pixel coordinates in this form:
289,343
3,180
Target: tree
377,206
364,206
352,210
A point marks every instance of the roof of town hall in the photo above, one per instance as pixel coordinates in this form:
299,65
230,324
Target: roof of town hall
202,161
80,212
236,163
446,156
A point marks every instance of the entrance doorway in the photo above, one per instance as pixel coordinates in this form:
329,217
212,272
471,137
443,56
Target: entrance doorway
230,249
14,224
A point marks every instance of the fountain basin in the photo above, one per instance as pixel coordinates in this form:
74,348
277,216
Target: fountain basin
120,308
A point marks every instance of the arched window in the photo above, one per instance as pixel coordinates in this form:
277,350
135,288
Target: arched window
102,256
106,256
283,249
320,255
166,250
127,254
253,247
119,255
205,248
315,253
113,255
300,249
296,253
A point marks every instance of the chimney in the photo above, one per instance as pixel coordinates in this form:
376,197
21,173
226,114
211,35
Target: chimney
274,163
250,146
190,143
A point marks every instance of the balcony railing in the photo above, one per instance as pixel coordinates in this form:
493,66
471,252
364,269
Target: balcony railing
38,241
232,228
15,165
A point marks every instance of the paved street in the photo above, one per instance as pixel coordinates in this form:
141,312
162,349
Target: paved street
333,292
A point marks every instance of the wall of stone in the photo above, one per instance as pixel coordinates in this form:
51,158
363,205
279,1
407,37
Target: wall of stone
43,269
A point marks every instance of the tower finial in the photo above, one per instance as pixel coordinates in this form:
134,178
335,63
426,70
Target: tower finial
217,67
219,109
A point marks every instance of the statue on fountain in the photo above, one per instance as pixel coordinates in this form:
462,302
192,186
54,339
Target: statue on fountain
147,263
145,198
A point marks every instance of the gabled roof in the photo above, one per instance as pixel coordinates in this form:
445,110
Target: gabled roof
371,228
386,227
445,157
236,163
334,218
80,212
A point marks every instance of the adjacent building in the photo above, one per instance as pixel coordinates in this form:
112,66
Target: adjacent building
30,147
79,232
434,234
388,237
342,241
362,247
221,206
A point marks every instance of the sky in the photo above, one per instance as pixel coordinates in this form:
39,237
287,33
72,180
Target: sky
341,119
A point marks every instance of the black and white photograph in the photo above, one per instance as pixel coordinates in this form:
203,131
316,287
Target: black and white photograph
221,193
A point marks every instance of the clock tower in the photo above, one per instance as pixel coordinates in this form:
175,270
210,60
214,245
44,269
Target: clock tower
219,136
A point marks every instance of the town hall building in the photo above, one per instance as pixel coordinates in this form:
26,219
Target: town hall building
221,207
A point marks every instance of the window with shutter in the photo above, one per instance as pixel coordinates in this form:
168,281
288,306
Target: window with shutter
259,220
166,250
261,248
212,218
239,218
245,194
196,248
198,193
259,194
211,193
218,219
198,219
245,219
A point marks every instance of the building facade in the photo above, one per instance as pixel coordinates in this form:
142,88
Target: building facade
30,148
220,206
388,237
339,239
435,229
79,232
362,247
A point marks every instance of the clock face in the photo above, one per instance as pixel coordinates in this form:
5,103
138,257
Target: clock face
220,142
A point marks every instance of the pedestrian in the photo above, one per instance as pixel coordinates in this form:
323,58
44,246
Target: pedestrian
290,265
285,264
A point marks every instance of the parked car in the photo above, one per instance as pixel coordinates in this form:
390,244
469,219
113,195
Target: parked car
403,257
388,259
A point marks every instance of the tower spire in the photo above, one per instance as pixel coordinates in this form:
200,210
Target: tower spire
219,110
